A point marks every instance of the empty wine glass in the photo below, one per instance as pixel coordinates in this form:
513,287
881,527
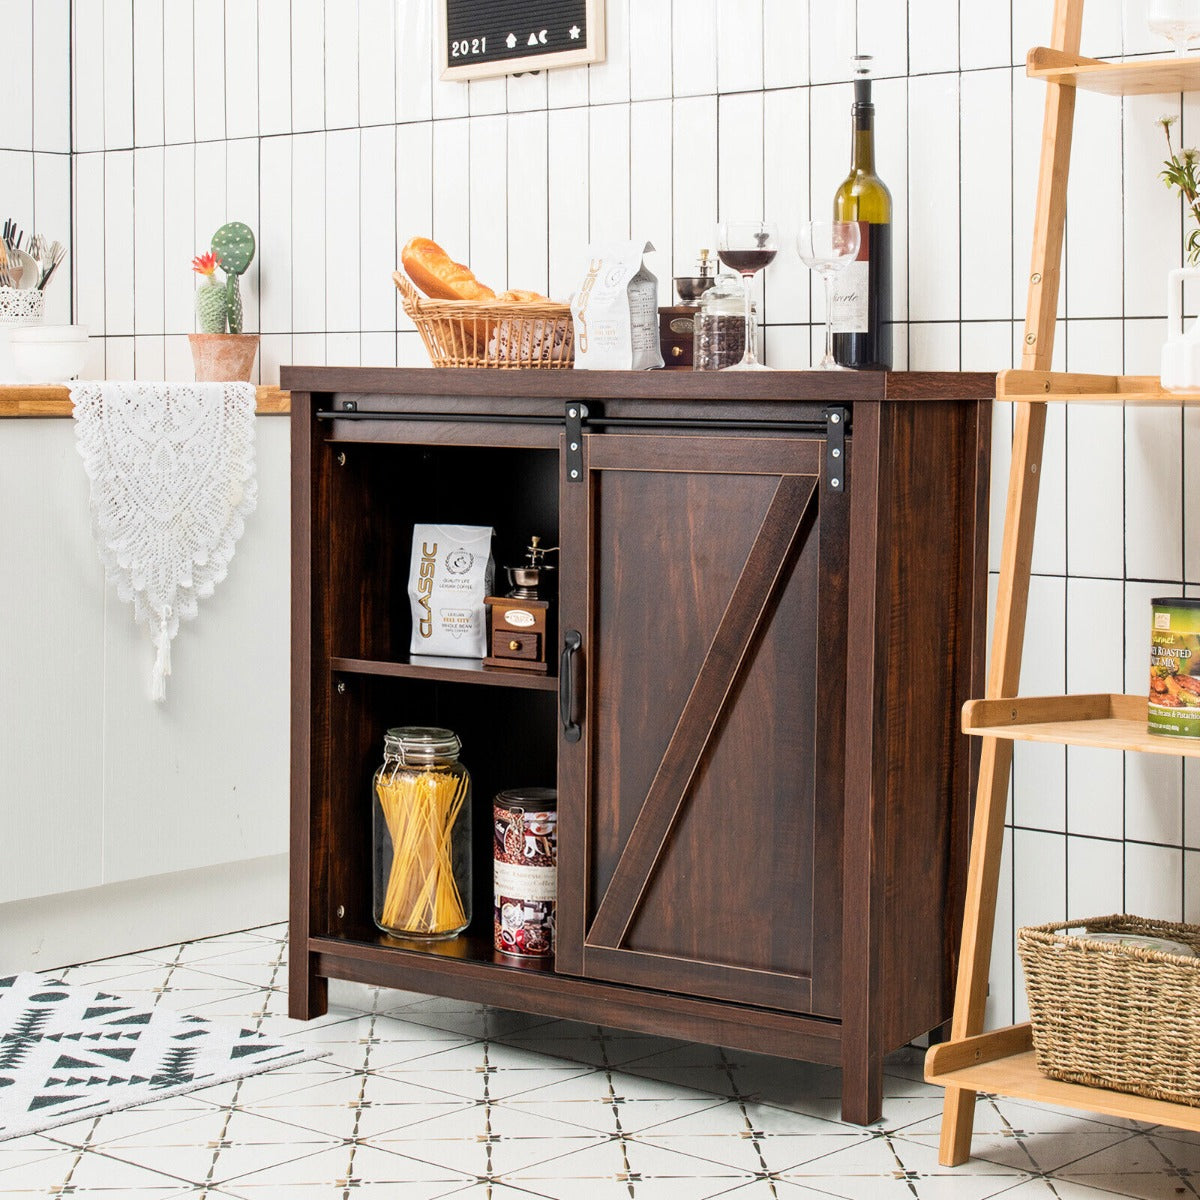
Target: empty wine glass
747,247
828,247
1176,20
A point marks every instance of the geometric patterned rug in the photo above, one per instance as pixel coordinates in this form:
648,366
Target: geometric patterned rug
70,1052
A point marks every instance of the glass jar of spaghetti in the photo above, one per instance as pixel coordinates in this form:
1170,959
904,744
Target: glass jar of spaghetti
422,835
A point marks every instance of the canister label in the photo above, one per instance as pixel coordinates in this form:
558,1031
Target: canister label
1174,706
525,850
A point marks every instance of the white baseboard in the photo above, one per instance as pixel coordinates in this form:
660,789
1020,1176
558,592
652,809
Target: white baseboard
120,918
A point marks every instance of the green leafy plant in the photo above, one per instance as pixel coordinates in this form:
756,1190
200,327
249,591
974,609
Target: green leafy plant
1179,173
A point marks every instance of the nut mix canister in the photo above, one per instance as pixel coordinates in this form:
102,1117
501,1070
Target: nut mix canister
1174,706
525,849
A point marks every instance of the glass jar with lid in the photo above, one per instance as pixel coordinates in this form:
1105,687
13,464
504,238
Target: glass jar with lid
720,325
422,835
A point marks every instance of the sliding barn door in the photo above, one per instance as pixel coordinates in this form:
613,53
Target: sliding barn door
703,705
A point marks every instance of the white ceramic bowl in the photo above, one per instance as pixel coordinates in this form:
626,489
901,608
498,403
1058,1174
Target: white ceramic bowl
49,353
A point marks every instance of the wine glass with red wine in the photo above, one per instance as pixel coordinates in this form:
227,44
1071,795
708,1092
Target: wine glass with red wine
747,247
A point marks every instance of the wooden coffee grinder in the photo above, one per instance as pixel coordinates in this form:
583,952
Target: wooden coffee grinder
519,629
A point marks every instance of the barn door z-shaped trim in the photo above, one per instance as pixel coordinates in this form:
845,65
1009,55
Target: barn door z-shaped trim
744,615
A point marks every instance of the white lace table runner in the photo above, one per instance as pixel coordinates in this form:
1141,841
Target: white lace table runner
172,477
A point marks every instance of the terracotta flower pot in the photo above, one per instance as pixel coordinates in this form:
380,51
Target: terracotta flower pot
223,357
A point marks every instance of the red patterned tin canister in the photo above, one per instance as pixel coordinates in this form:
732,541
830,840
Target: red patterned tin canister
525,850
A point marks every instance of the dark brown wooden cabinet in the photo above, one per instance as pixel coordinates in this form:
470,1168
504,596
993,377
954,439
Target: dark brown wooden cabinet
771,608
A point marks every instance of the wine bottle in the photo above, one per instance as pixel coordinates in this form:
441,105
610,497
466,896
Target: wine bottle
862,301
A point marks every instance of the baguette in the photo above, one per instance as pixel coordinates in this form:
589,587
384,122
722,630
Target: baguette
438,275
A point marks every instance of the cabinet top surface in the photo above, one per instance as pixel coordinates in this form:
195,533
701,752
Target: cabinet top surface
813,386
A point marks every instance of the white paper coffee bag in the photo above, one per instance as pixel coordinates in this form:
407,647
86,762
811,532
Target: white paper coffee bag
449,575
615,310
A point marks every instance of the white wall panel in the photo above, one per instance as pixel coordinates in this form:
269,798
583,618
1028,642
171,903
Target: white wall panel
650,195
415,69
568,191
376,62
308,233
694,47
933,36
308,65
986,209
694,175
148,241
52,75
413,195
274,66
180,241
739,47
275,236
118,243
118,74
179,97
52,218
488,192
608,174
149,65
87,84
89,242
241,68
985,35
649,36
242,191
451,215
343,262
609,81
528,202
341,65
16,80
378,253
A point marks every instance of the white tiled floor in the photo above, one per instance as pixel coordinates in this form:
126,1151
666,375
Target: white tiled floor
422,1097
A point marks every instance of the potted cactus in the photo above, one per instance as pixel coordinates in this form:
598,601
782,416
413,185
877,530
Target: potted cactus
221,350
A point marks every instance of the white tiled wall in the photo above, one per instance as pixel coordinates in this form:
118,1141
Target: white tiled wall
323,125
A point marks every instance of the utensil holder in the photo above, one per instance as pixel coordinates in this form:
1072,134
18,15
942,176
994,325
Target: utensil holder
18,306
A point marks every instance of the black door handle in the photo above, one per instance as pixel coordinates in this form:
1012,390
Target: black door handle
572,641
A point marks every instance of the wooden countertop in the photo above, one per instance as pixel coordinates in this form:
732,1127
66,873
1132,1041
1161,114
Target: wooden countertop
47,400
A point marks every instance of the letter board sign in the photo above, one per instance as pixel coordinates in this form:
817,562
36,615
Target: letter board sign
503,37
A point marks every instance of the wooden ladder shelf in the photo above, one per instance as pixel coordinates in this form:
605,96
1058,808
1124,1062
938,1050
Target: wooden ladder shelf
1002,1061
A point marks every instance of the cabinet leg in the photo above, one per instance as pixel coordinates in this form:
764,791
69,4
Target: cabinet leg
308,994
862,1090
958,1122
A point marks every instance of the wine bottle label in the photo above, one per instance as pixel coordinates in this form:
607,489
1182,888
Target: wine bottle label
848,304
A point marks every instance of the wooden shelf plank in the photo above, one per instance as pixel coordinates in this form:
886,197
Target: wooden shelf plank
1138,77
446,670
1017,1075
1112,722
1063,387
54,400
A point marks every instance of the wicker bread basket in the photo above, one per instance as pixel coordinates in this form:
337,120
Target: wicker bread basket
1115,1015
470,333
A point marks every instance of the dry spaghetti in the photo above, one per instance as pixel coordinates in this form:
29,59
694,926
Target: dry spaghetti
419,872
422,895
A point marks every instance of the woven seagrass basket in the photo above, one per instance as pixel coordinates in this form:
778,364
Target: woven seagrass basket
470,333
1114,1015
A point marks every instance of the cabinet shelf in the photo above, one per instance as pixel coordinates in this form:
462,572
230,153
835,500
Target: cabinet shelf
1002,1061
1062,387
1140,77
1113,722
445,670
